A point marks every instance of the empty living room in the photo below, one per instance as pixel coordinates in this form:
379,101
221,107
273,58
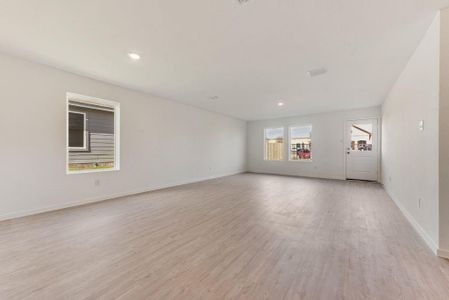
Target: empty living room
226,149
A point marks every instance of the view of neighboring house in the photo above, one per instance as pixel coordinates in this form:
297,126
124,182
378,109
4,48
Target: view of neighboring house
91,136
361,137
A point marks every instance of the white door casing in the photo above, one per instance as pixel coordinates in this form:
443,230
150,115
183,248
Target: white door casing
362,149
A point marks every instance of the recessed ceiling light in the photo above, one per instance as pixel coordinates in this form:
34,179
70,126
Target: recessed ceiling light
134,56
317,72
281,103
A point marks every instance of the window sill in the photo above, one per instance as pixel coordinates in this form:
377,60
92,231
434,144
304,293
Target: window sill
68,172
301,160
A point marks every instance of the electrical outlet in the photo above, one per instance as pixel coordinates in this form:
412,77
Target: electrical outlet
419,202
421,125
97,182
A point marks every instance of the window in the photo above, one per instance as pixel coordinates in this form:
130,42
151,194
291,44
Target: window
77,131
301,143
92,134
274,144
362,137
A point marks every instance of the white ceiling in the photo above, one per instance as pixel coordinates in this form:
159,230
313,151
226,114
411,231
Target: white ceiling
250,55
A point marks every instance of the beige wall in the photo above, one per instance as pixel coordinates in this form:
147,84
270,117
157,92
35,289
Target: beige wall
410,156
163,143
444,134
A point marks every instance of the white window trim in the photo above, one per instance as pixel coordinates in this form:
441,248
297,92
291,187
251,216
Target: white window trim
290,143
265,144
84,148
96,101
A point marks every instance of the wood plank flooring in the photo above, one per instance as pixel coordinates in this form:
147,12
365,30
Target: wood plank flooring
241,237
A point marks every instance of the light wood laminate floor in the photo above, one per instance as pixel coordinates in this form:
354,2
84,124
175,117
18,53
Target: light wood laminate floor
241,237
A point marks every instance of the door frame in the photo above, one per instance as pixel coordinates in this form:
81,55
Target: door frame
379,144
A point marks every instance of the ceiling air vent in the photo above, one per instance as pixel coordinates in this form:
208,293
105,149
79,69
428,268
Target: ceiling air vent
317,72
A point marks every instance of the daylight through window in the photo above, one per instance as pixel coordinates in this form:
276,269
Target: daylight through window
274,143
92,134
362,137
301,143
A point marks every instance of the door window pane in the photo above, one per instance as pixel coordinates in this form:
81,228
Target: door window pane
362,137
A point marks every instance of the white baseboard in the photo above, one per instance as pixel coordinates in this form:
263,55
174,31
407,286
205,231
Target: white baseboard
424,235
443,253
296,175
31,212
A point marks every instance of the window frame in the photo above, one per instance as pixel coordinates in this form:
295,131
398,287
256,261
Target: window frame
84,148
265,144
100,102
290,143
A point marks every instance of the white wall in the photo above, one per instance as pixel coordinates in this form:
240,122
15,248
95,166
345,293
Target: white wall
410,156
327,144
163,143
444,135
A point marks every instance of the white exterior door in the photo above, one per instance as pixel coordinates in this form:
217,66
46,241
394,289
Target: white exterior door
361,149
